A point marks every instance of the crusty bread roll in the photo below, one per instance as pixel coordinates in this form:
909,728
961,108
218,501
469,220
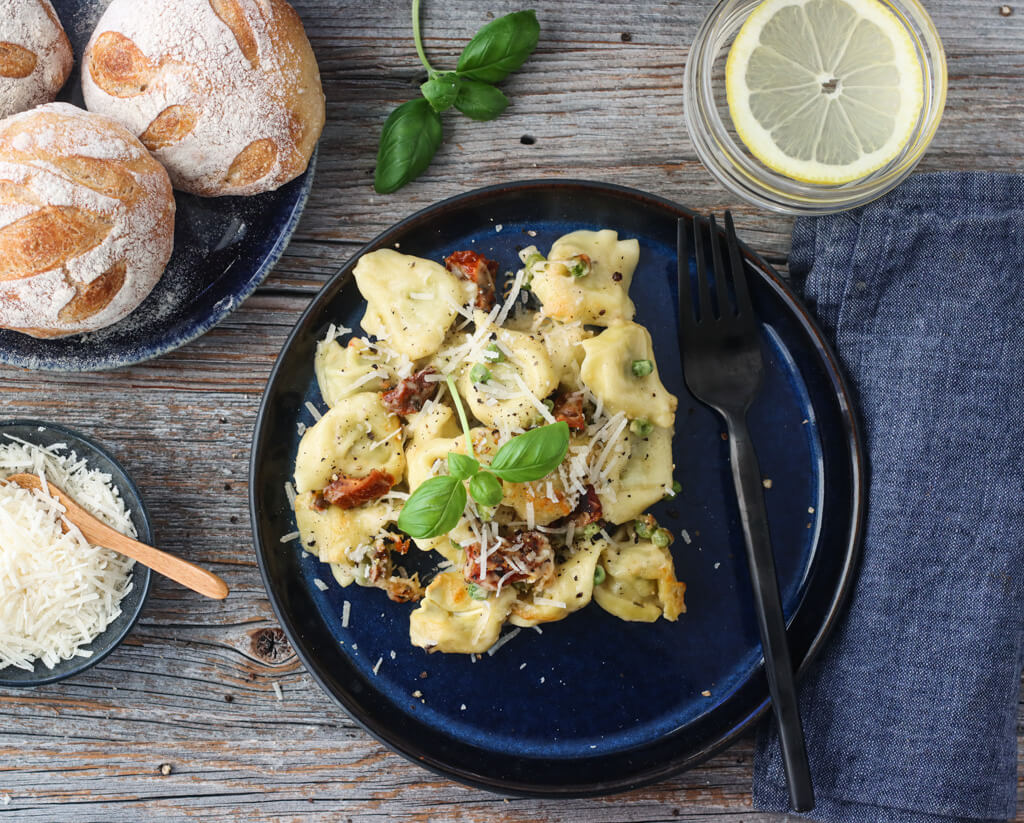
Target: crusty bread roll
225,93
35,55
86,221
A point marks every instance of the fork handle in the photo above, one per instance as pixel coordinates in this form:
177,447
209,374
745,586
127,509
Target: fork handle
771,622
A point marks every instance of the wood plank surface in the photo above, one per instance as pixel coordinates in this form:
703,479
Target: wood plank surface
182,722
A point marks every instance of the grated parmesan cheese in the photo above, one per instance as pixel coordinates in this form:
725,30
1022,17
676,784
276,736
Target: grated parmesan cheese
501,641
319,584
314,411
57,592
346,610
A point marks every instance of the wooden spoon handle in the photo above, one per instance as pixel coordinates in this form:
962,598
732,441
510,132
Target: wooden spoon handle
181,571
100,534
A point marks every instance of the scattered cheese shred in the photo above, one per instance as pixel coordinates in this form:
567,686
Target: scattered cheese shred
501,641
346,610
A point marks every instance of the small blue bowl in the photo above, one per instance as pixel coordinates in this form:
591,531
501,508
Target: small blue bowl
47,434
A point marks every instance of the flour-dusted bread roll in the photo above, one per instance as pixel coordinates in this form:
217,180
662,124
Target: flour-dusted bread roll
86,221
35,55
225,93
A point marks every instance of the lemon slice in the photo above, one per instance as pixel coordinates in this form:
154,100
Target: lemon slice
824,91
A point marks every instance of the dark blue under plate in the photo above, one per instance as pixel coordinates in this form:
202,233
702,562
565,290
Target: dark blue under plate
593,704
223,249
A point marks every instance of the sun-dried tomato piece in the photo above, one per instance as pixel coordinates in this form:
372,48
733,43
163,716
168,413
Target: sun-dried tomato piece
569,407
411,393
528,556
349,492
588,510
474,267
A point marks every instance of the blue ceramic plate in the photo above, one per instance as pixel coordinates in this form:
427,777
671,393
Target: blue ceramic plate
45,435
593,704
223,249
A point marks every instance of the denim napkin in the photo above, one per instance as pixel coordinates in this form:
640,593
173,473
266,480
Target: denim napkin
911,710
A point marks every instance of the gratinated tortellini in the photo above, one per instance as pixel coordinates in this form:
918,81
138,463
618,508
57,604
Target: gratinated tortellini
423,434
587,278
410,302
350,441
449,619
342,371
640,583
620,369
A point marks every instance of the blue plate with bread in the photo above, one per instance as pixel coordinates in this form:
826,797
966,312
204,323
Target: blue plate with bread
90,280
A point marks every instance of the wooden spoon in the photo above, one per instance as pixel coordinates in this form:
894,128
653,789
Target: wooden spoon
100,534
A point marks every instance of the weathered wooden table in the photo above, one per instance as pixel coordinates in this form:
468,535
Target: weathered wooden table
182,721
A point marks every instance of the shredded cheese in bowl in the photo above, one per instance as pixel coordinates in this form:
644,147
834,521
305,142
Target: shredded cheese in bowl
57,592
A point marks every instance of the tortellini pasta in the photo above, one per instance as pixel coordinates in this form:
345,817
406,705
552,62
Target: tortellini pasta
643,479
572,589
351,440
450,620
447,366
502,400
342,371
334,533
620,369
640,583
599,297
410,302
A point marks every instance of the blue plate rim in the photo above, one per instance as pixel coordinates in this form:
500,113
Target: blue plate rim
857,471
142,575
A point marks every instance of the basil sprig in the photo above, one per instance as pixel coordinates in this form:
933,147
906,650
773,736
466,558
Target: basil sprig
437,504
412,133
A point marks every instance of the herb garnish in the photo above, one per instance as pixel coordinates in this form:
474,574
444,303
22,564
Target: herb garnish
437,504
412,134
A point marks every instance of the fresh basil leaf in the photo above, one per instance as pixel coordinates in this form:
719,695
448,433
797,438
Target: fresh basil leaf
462,466
531,456
486,489
434,508
441,90
500,47
480,101
410,137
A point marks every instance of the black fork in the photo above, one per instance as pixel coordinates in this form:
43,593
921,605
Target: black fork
723,367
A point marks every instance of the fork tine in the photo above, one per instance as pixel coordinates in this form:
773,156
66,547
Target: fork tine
686,316
739,273
703,288
721,288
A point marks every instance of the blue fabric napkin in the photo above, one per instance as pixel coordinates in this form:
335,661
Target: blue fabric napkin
910,712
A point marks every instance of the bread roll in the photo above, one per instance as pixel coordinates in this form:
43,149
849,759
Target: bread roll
225,93
86,221
35,55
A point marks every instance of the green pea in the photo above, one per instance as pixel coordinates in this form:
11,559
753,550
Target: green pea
643,528
676,488
599,575
661,538
549,404
591,530
642,368
479,373
580,266
494,354
477,592
641,427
